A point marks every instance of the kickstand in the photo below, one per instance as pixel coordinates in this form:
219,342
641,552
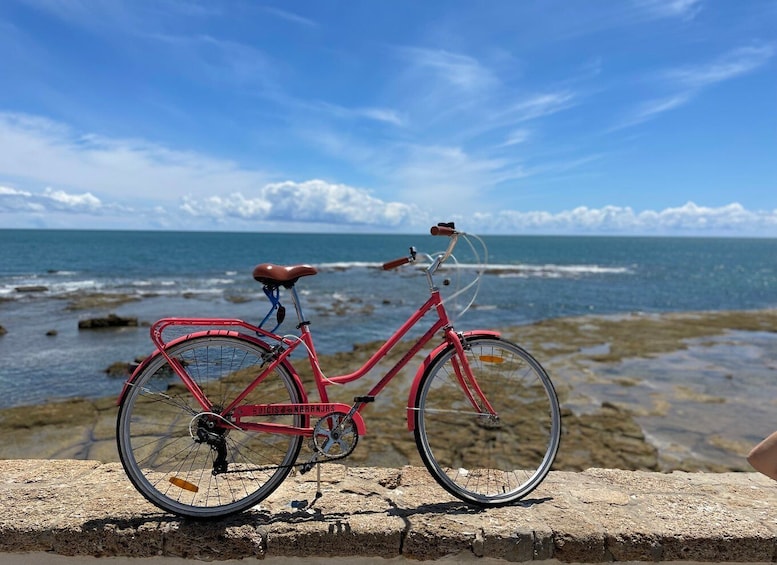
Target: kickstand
303,504
319,494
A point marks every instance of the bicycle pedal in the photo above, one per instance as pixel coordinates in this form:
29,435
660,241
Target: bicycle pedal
363,399
305,467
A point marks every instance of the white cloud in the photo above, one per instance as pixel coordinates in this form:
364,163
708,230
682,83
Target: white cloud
541,105
44,152
684,9
517,136
73,202
731,65
652,108
689,82
8,191
385,115
314,201
316,204
381,115
455,70
689,219
220,207
290,17
51,201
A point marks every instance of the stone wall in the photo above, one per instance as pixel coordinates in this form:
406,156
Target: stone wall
90,508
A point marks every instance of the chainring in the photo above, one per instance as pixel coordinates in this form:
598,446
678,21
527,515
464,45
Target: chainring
335,436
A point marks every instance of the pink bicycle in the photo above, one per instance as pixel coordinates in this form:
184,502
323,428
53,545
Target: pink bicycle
213,421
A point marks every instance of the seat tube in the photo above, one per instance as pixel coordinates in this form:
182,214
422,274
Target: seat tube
297,306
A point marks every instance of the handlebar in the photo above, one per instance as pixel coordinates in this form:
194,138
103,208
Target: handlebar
441,229
447,229
444,229
388,265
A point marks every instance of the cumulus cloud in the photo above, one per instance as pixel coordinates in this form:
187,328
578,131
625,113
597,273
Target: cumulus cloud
313,201
50,200
689,219
60,199
318,204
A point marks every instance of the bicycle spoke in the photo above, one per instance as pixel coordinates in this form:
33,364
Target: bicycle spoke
198,463
485,459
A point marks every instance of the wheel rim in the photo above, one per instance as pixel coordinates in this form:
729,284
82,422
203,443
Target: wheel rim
170,446
473,455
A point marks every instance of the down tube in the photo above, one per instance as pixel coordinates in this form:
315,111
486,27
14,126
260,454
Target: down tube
406,358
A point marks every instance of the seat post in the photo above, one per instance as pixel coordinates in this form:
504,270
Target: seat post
298,306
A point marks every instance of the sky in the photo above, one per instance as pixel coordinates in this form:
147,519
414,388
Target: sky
627,117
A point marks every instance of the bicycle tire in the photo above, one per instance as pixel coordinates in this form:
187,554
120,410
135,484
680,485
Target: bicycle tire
479,459
159,425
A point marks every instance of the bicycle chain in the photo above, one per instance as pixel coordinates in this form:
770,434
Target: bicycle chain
306,466
292,465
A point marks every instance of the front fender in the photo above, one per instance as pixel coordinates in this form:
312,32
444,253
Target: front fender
207,333
411,399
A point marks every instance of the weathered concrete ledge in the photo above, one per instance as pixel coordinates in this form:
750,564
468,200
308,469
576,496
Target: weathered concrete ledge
90,508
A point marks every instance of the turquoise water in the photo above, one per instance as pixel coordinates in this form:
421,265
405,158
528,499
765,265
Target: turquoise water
351,300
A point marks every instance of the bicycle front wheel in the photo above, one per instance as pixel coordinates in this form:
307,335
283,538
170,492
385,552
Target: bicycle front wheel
187,459
486,459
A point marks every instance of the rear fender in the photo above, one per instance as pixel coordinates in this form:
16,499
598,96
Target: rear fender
208,333
411,399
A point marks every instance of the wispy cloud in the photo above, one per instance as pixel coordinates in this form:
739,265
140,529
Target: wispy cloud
455,70
290,17
731,65
684,9
539,105
690,81
41,151
516,136
652,108
321,108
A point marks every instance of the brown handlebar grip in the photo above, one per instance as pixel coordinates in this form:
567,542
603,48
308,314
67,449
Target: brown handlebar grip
442,230
395,263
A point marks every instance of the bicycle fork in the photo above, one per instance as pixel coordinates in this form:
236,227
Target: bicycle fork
466,378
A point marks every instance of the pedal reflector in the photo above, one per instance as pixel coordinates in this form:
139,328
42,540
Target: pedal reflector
185,485
492,359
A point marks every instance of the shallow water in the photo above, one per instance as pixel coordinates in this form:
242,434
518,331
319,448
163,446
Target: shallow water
711,401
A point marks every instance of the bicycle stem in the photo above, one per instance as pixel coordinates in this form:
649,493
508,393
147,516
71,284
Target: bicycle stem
439,260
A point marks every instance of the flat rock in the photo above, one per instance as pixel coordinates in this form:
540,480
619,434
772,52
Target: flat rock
109,321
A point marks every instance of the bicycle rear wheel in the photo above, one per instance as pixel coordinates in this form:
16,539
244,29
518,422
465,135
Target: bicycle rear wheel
486,460
189,461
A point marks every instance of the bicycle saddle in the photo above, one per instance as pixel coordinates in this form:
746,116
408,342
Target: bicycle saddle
275,275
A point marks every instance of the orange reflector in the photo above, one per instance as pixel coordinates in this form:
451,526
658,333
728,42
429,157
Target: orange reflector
491,359
185,485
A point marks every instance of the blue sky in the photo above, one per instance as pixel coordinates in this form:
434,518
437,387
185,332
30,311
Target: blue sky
548,117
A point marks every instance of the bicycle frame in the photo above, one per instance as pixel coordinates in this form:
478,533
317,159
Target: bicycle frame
285,346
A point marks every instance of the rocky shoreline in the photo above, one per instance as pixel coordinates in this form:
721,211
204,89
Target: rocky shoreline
575,351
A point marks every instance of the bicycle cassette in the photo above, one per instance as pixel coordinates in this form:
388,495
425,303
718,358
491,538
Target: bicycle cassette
335,436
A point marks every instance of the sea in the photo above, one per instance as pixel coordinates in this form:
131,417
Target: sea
52,279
